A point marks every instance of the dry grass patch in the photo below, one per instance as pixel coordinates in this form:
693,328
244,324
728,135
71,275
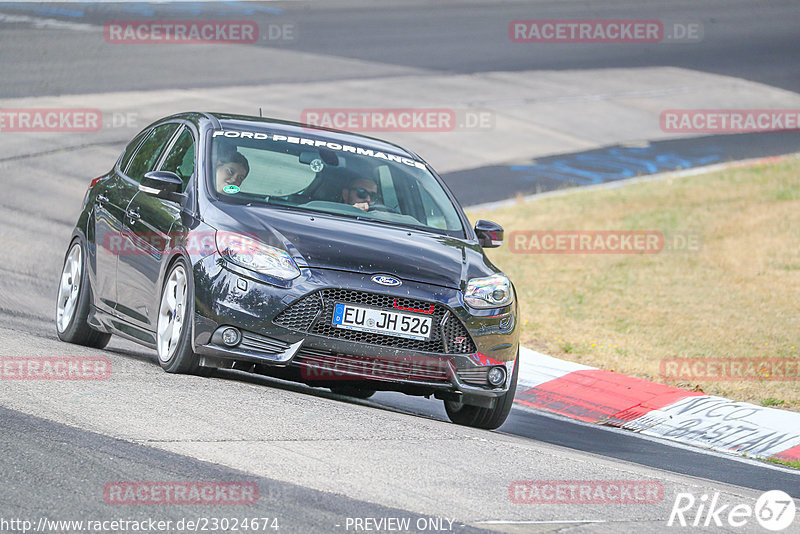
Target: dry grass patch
737,297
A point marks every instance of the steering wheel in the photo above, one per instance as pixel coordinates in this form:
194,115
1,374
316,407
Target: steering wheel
382,207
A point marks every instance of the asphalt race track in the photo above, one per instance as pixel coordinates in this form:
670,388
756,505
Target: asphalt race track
320,461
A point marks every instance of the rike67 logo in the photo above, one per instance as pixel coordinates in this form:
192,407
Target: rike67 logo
774,510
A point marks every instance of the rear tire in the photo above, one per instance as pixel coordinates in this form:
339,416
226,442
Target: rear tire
174,328
352,391
73,301
486,418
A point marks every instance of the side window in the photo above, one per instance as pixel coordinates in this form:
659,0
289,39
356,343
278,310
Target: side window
130,149
180,159
148,153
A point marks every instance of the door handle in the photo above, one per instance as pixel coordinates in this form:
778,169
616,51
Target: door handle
102,198
133,214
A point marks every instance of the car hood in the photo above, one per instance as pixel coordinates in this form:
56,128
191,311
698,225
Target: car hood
330,242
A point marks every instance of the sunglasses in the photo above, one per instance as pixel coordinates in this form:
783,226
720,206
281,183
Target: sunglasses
363,193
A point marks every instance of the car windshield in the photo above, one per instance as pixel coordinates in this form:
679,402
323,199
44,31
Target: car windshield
309,173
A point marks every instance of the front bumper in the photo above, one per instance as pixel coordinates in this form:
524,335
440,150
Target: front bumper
229,296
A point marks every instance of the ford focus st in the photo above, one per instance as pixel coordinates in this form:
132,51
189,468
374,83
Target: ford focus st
312,255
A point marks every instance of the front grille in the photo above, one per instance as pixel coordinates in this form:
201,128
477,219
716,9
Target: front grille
458,340
299,315
324,366
313,314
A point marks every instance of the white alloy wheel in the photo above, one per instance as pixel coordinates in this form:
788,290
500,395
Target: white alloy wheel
69,289
172,313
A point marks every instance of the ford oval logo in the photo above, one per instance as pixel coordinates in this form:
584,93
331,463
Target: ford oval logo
386,280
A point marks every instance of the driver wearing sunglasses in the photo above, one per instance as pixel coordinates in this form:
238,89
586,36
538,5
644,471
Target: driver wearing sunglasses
360,192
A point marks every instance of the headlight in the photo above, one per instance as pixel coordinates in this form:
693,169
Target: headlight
488,292
246,252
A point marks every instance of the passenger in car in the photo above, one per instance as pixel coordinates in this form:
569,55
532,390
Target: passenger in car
231,169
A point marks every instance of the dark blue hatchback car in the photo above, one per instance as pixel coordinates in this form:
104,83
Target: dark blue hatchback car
313,255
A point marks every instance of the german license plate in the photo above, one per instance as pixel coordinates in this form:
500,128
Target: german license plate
386,322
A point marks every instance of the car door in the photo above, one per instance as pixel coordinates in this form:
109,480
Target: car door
149,223
112,199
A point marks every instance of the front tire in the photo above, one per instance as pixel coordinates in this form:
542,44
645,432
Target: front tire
173,335
73,301
486,418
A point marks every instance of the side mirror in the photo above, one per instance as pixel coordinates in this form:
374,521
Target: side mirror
490,234
163,184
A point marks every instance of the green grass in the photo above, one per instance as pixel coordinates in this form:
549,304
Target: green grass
778,461
733,296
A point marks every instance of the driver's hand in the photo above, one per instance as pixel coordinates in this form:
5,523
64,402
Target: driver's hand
362,205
